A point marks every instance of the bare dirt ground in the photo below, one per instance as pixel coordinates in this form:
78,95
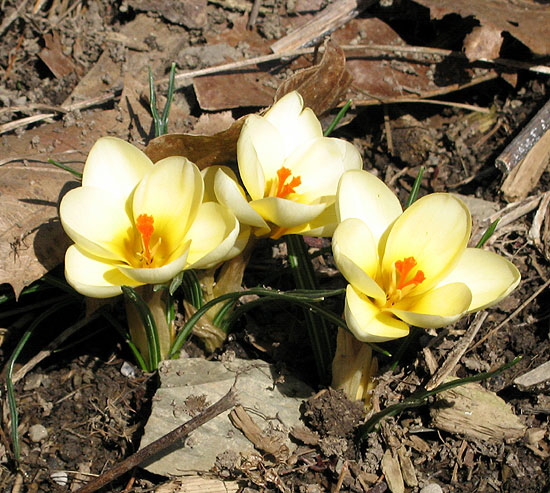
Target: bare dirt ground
83,65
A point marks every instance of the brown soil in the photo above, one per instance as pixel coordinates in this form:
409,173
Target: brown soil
93,415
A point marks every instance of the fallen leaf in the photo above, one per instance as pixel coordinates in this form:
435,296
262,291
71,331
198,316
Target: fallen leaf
203,150
52,55
526,20
324,85
32,241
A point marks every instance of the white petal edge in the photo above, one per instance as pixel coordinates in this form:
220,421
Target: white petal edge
286,213
116,166
355,254
367,322
92,277
489,276
436,308
230,194
364,196
95,220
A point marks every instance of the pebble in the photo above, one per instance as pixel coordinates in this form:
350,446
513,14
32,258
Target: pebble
37,433
432,488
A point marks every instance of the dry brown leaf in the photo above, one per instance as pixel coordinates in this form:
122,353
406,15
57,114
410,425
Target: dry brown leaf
526,20
203,150
32,241
324,85
483,43
52,55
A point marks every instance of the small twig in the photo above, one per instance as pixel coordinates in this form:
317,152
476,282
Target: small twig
387,128
14,15
225,403
254,14
457,352
511,316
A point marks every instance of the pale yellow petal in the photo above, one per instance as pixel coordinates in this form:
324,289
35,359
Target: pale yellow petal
171,193
355,254
92,277
213,235
489,277
115,166
96,222
260,154
364,196
436,308
230,193
320,165
286,213
367,322
209,177
295,123
159,275
322,226
434,231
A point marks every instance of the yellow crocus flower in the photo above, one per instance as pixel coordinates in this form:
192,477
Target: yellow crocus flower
134,222
412,267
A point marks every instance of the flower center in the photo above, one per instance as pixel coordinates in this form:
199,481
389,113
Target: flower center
144,225
285,186
402,282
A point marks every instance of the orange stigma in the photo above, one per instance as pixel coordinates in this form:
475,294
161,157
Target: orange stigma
144,224
283,188
403,268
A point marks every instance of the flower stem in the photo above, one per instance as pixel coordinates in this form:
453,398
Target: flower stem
304,276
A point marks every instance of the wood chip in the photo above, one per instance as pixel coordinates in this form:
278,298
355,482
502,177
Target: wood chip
392,471
475,412
537,376
407,468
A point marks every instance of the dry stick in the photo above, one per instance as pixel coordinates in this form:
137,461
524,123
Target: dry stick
512,315
254,14
456,353
262,59
225,403
10,18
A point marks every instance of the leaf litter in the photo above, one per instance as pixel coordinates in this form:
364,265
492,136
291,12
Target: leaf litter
90,424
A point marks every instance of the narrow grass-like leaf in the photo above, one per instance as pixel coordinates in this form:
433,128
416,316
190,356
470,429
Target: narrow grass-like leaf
416,187
337,118
149,325
10,390
318,331
488,233
192,289
78,174
419,398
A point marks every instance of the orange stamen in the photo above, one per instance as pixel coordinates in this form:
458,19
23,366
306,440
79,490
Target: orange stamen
403,268
144,224
283,188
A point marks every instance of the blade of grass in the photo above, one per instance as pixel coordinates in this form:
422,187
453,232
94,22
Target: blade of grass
488,233
416,187
78,174
10,389
337,118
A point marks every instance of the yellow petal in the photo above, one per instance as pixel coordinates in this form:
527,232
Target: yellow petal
96,221
367,322
436,308
435,231
364,196
159,275
92,277
320,165
286,213
323,225
295,123
260,153
230,193
355,254
115,166
209,177
489,276
213,235
171,193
